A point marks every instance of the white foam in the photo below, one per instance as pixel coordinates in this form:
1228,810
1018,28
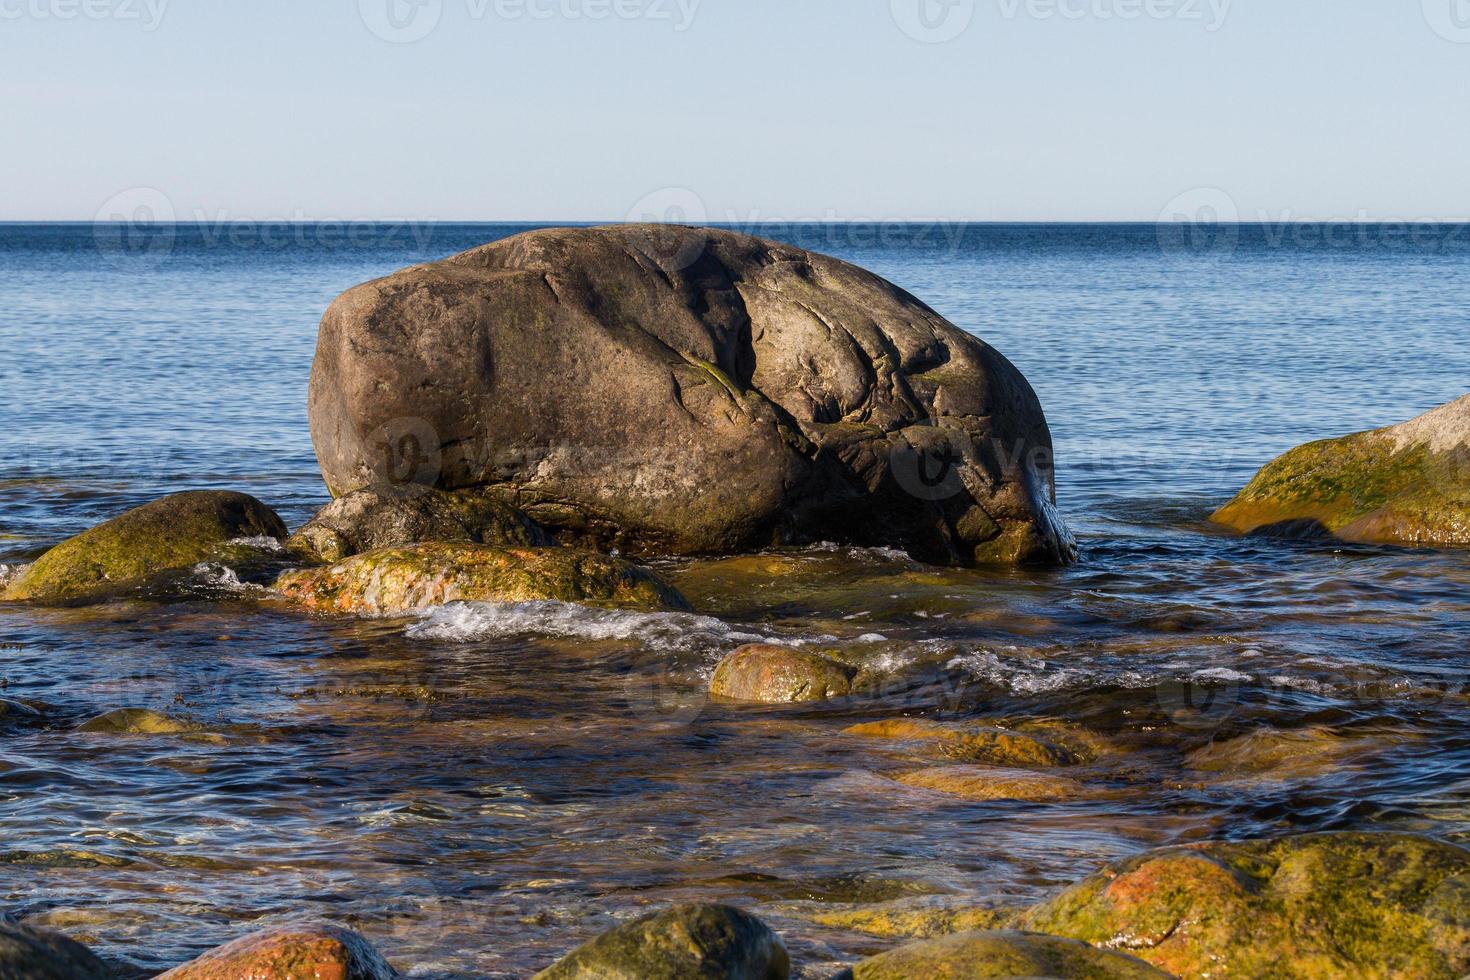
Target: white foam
467,621
9,573
264,542
216,576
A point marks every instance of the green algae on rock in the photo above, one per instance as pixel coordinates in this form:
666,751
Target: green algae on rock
1310,907
686,942
770,674
173,532
1405,484
29,953
306,952
393,581
909,919
1002,956
387,515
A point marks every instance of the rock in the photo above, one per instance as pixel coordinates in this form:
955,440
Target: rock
29,953
1278,755
686,942
770,674
393,581
1299,908
139,721
306,952
909,919
1405,484
13,712
174,532
690,391
1008,955
1030,743
387,516
987,783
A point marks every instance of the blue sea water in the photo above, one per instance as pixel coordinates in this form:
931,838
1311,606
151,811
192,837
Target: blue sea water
475,777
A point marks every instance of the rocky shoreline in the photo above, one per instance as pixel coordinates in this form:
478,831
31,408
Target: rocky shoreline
1307,908
740,394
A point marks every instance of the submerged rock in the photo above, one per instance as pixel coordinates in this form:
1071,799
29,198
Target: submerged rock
307,952
29,953
1311,907
17,712
139,721
1001,956
1404,484
1022,744
391,515
770,674
172,533
690,391
392,581
987,783
686,942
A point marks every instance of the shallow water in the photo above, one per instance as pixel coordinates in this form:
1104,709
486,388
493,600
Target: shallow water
483,787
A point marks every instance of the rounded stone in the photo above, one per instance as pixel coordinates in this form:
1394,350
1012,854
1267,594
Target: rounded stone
770,674
686,942
174,532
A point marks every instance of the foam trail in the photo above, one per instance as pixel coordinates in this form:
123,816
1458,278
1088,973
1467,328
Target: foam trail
468,621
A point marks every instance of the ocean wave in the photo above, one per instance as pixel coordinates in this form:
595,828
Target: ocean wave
468,621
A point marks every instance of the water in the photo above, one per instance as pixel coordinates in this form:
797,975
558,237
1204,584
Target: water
481,789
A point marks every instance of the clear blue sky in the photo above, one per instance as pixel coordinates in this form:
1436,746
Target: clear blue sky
777,109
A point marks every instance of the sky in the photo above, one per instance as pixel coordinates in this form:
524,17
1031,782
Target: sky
735,110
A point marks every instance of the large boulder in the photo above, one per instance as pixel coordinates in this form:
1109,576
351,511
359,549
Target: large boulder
1404,484
678,390
1001,956
388,515
171,533
393,581
305,952
1300,908
686,942
29,953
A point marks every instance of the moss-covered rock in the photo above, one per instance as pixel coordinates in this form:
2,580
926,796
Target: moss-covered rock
908,919
1310,907
307,952
686,942
387,515
174,532
392,581
139,721
995,955
1404,484
29,953
988,783
769,674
